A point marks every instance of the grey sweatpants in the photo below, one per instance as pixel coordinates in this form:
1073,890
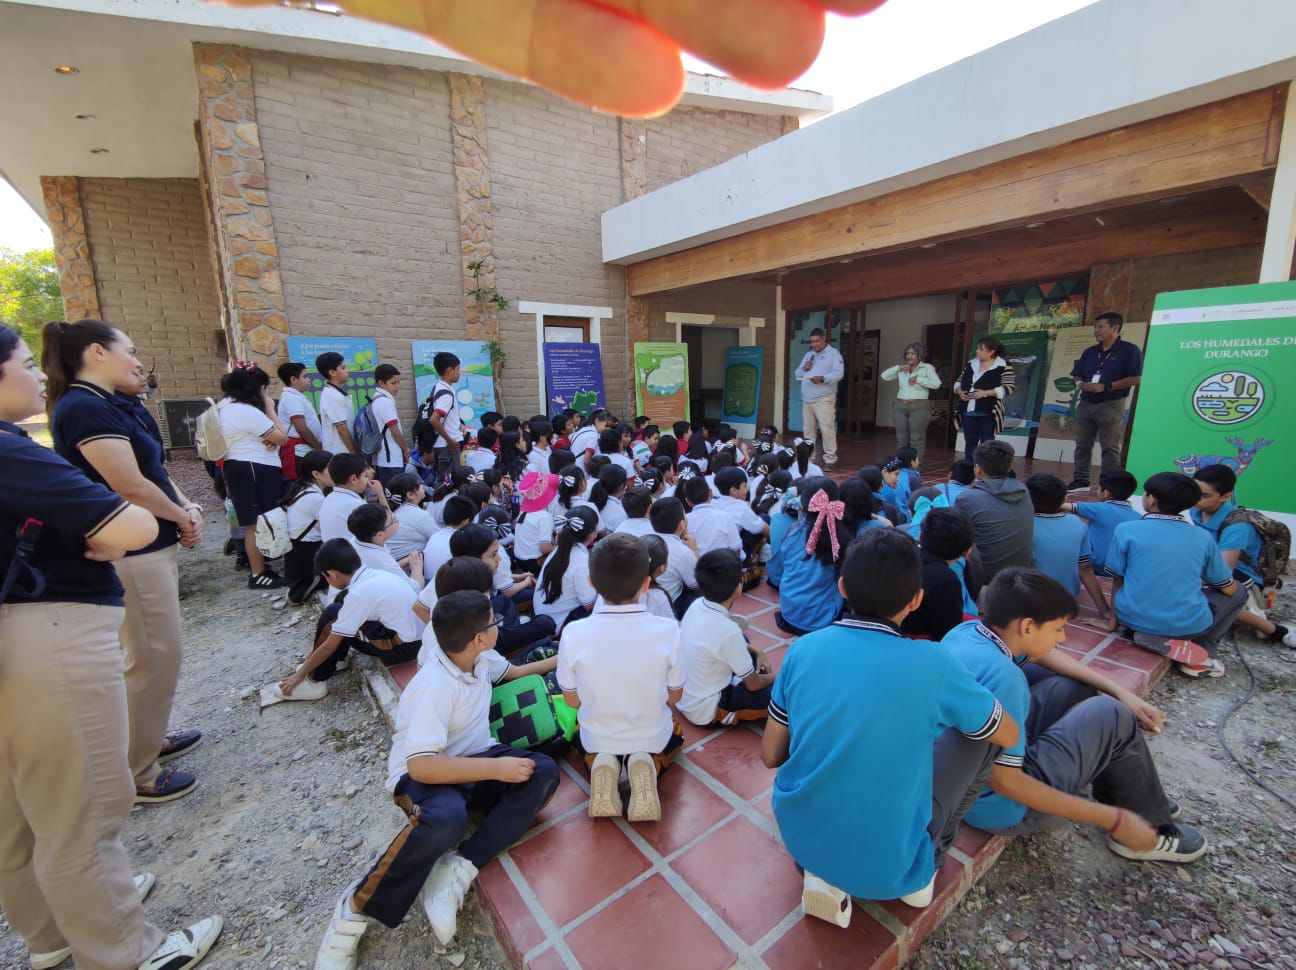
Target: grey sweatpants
1080,742
960,770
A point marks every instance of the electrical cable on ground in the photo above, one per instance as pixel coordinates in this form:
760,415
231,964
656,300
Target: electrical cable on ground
1237,705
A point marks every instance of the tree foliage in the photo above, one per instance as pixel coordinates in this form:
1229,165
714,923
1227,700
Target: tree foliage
29,291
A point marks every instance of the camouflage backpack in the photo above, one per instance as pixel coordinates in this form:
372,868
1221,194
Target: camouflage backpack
1275,544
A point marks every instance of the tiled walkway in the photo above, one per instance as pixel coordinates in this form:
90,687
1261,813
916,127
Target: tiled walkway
710,886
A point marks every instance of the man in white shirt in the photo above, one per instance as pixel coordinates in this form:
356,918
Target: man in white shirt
296,413
712,528
337,411
623,667
444,421
669,522
393,452
727,681
819,372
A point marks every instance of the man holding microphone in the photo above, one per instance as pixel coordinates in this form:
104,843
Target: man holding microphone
819,373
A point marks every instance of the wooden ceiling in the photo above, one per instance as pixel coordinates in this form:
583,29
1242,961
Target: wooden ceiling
1214,219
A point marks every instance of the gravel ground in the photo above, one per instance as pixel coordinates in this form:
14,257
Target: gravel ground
290,808
290,805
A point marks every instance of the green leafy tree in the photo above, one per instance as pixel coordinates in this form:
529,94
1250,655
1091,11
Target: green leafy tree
29,292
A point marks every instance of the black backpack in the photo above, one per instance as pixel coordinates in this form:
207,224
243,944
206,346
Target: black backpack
424,434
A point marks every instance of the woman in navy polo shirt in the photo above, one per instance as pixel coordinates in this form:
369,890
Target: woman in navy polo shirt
110,437
65,784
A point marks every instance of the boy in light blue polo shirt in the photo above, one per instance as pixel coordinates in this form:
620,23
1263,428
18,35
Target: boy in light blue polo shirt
1115,486
1240,545
1061,543
1161,563
881,744
1083,733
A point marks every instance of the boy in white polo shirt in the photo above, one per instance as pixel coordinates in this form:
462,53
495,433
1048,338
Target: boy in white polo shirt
372,614
679,582
734,487
726,680
444,762
351,478
393,452
712,527
337,411
623,668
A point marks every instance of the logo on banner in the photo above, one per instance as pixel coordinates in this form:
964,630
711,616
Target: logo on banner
1228,397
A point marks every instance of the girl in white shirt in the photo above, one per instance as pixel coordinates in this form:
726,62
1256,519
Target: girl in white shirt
414,524
302,503
655,600
612,483
800,465
564,590
612,444
252,472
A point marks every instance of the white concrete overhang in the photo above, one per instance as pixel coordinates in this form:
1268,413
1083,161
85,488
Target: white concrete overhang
1103,67
136,77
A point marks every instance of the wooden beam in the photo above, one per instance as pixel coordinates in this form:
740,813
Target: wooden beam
1011,257
1212,145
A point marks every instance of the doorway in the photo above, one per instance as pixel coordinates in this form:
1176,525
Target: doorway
566,330
706,357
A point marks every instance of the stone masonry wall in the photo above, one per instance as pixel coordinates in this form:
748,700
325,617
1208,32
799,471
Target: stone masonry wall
153,269
71,247
1188,271
689,139
358,159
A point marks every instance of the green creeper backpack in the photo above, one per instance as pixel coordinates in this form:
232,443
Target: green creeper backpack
523,715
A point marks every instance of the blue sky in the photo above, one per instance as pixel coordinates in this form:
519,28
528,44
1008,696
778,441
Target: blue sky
861,58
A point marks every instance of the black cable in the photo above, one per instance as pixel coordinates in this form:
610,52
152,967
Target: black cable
1237,705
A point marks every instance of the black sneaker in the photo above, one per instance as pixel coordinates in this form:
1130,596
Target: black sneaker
170,785
178,744
266,580
1176,843
1078,485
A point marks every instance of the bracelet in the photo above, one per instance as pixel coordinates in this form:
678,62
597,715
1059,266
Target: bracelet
1120,817
193,505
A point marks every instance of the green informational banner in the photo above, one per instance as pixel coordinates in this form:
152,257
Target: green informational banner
1211,391
742,389
661,382
1028,356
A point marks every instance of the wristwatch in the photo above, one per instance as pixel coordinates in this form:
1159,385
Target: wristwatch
1107,387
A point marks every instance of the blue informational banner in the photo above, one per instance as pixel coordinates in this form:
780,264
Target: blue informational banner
475,392
742,382
573,377
359,353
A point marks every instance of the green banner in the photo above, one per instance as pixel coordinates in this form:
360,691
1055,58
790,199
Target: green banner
1211,392
661,382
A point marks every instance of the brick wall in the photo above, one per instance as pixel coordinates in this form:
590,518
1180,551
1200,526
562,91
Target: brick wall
154,276
1189,271
688,140
362,191
555,168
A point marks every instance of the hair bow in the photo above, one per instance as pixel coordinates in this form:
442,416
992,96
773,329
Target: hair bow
827,509
571,521
799,442
569,481
774,490
791,502
894,465
764,446
473,477
727,446
648,480
244,365
684,474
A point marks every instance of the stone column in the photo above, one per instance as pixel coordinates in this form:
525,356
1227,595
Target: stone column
634,183
71,247
791,123
473,189
248,254
1109,289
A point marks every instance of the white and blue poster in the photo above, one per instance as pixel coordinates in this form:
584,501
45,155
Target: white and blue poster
742,379
573,377
360,354
475,392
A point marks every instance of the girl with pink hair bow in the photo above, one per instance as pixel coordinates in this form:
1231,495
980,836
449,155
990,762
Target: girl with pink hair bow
812,554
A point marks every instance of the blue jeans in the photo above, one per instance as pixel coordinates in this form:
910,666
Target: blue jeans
437,818
976,429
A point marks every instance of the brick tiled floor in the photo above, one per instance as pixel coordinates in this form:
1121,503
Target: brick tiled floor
710,886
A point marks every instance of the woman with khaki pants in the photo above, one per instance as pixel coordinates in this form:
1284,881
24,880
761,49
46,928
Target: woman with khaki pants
101,427
912,406
65,786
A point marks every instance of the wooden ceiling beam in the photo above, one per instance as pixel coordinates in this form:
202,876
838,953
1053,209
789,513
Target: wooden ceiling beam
1190,151
1006,259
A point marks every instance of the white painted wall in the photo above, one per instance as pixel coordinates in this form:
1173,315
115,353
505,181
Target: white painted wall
901,323
1157,57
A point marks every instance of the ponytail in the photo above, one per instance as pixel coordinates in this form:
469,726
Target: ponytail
803,449
574,527
771,490
63,347
571,483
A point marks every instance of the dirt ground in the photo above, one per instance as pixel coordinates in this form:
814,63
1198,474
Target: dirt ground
290,808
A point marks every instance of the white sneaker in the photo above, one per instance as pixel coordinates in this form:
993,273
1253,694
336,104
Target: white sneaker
307,690
825,902
645,806
605,799
337,950
443,894
922,898
185,948
46,961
